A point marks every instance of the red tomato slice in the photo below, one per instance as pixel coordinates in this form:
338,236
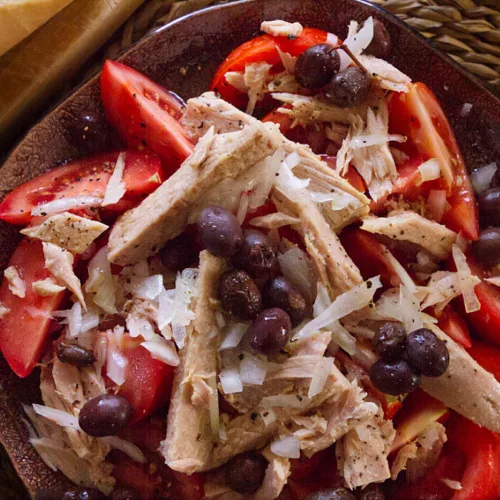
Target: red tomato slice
148,382
309,475
454,325
351,176
450,465
261,49
418,115
88,177
481,446
488,356
145,114
486,321
368,254
23,336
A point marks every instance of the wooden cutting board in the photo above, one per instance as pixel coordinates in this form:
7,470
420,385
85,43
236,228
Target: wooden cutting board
33,70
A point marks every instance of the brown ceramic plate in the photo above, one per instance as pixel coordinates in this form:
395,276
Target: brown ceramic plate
199,43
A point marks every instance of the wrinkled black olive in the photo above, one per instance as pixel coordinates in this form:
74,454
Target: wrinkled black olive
390,340
348,88
257,255
316,66
282,293
381,44
426,353
393,377
245,473
239,294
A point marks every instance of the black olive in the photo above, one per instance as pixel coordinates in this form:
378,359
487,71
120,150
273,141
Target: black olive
389,341
245,473
239,294
75,355
426,353
220,231
381,44
393,377
270,331
124,494
372,492
348,88
489,207
279,292
257,255
316,66
338,493
487,247
105,415
179,253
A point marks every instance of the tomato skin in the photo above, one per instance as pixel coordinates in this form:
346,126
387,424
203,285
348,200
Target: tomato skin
486,321
88,177
309,475
144,113
418,115
23,337
488,356
454,325
368,254
480,480
261,49
148,382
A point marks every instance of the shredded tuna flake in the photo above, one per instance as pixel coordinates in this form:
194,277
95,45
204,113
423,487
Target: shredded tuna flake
16,284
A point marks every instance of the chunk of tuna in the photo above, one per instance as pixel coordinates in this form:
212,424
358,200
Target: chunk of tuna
334,267
68,231
410,226
362,452
466,387
281,28
275,478
142,231
189,442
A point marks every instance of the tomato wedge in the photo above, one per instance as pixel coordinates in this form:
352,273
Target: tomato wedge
454,325
486,321
88,177
148,382
145,114
261,49
419,116
488,356
24,330
369,255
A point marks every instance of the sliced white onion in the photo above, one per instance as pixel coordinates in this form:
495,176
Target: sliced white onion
101,283
288,447
298,268
268,416
494,280
116,365
100,353
364,141
265,172
403,275
145,288
75,320
338,199
230,380
130,449
162,350
319,377
350,301
471,302
116,187
241,214
343,338
293,367
90,321
34,312
481,178
430,170
165,308
436,203
452,484
410,310
234,334
252,370
185,290
285,401
138,326
60,417
465,109
218,429
387,305
65,204
287,180
288,60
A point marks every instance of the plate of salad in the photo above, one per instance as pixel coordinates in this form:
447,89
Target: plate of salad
257,258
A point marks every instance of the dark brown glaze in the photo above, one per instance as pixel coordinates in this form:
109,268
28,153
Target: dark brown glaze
199,43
